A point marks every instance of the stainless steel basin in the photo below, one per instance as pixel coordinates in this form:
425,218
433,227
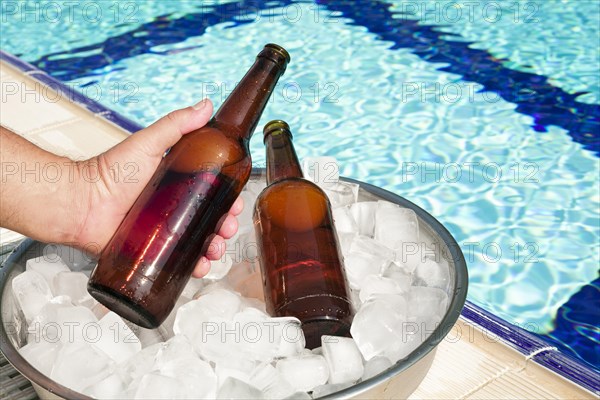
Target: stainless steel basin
397,382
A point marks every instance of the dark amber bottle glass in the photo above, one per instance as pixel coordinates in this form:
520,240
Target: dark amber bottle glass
299,254
148,261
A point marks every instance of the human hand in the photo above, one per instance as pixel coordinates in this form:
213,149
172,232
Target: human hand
105,201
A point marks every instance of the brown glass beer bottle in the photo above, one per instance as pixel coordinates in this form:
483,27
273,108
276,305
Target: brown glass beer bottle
298,249
147,263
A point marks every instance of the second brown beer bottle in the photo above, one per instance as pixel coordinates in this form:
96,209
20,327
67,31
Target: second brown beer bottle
147,263
299,254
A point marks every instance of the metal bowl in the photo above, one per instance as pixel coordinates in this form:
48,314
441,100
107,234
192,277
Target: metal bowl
398,381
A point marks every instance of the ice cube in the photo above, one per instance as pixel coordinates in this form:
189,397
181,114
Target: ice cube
217,303
304,372
175,348
219,268
41,355
426,307
378,323
364,215
235,389
395,227
47,266
169,322
220,300
259,338
359,265
364,244
215,285
196,376
76,324
324,390
292,336
116,338
111,387
246,337
343,220
193,286
43,326
375,366
79,365
307,352
217,339
273,337
267,379
263,376
31,292
425,300
324,171
343,358
411,333
433,274
141,363
75,259
399,273
374,285
411,338
156,386
342,194
345,239
248,314
413,254
231,368
74,285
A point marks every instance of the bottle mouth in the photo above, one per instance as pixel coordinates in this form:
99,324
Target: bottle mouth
280,50
276,53
276,125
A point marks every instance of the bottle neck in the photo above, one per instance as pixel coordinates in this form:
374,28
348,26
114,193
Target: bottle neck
240,112
282,161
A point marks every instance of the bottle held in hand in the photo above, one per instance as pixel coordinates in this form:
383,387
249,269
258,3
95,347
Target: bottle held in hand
299,254
148,261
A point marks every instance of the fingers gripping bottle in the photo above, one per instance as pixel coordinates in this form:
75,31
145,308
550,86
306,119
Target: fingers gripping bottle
299,253
147,263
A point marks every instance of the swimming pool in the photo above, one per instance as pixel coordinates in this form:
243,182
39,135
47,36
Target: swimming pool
476,111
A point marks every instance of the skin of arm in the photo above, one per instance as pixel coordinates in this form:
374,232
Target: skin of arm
29,202
81,203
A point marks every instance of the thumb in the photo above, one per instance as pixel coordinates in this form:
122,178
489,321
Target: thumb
164,133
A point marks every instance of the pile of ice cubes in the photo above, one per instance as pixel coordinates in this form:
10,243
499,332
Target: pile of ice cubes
219,342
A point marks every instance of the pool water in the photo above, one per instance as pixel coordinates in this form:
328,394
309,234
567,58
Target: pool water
484,113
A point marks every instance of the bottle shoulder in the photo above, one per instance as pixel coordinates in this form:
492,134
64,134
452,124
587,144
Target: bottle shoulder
294,185
295,204
205,148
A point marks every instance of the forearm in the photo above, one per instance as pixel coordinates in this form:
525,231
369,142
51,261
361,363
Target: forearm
37,190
